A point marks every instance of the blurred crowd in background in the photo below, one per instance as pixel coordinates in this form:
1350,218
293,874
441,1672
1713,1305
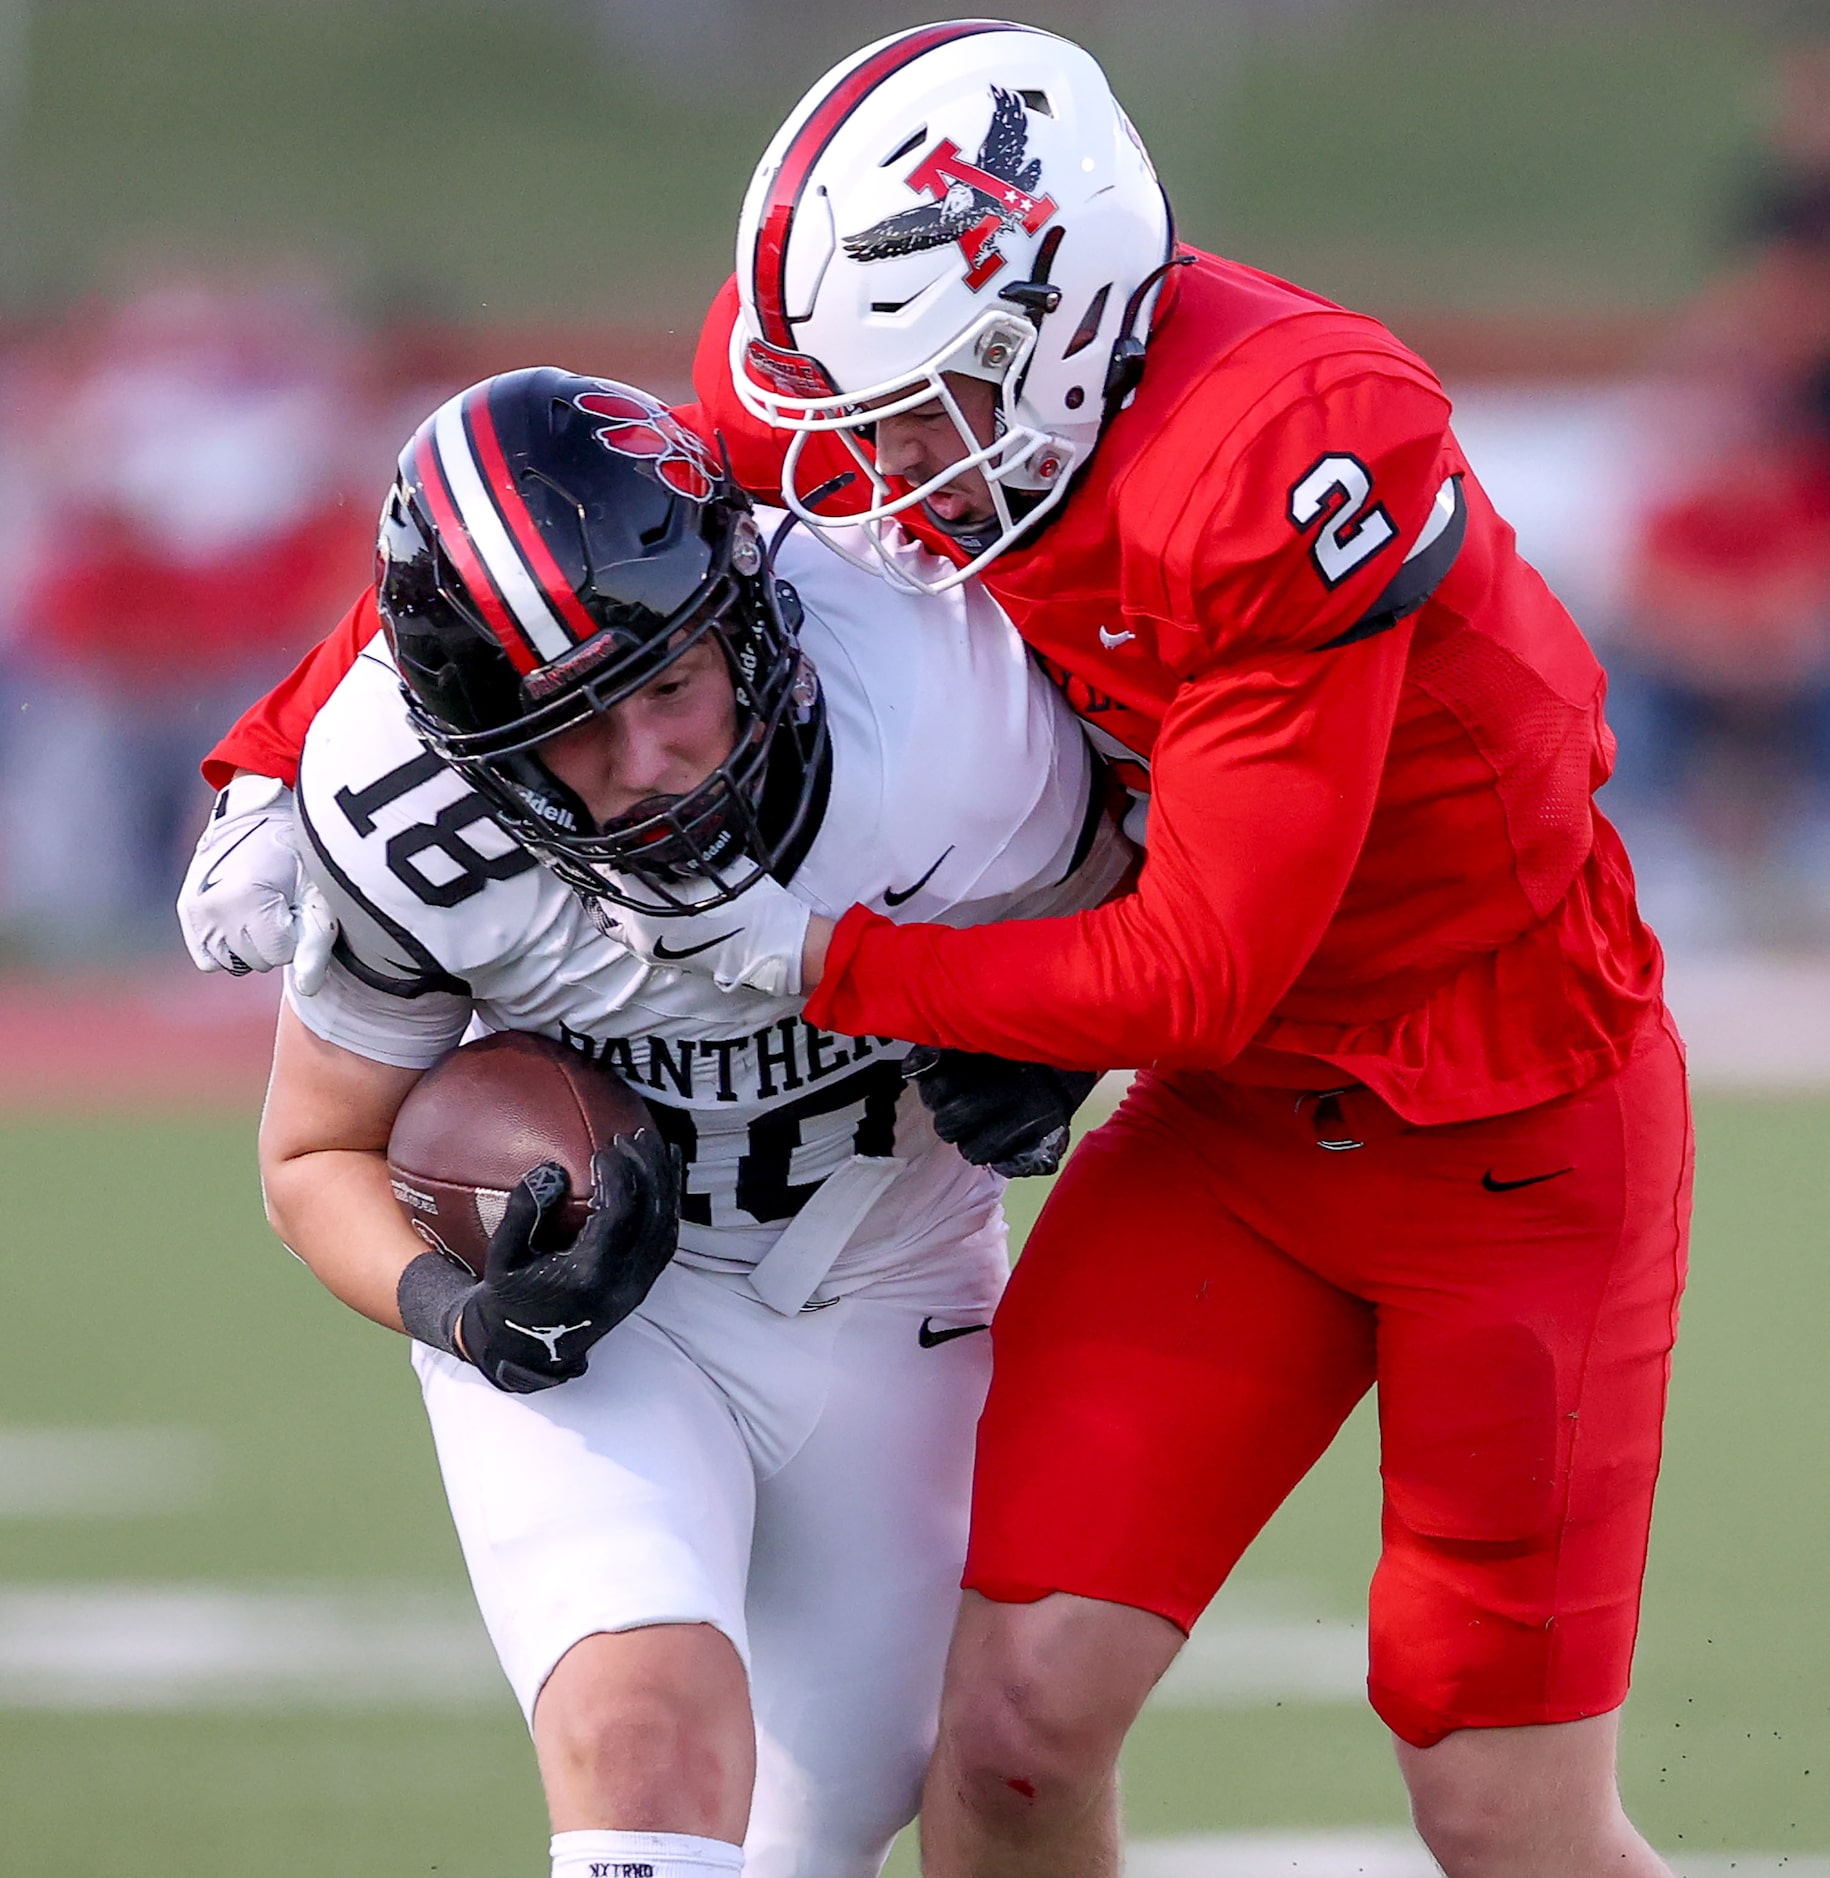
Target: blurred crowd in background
190,468
190,476
1719,651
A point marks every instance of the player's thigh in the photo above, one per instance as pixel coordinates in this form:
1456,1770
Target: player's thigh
860,1537
1163,1374
622,1499
1524,1349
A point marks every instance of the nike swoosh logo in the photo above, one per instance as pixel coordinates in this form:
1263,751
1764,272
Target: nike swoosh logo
1530,1180
1112,641
894,896
662,950
209,878
929,1338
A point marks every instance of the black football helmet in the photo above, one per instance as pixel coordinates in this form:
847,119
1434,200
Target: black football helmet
551,545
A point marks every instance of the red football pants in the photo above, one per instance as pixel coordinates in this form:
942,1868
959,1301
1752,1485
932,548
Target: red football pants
1216,1281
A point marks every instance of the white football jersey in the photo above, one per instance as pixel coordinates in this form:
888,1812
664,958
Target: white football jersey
962,790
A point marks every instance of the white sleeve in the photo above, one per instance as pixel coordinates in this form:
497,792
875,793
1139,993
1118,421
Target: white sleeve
409,1033
385,997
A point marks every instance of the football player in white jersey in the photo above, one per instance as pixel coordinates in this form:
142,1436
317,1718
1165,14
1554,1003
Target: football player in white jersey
715,1530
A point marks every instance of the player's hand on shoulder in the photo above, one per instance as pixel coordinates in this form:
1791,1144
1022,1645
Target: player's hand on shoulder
754,941
1010,1117
246,904
546,1297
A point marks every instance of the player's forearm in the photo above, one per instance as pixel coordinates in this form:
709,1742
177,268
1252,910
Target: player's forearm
1091,992
1266,785
324,1173
336,1210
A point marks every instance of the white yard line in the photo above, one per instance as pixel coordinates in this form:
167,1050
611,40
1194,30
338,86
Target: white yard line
1373,1854
192,1646
178,1647
104,1473
1255,1648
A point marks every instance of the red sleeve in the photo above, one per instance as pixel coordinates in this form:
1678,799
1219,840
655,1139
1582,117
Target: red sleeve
1356,446
1264,786
1264,774
269,735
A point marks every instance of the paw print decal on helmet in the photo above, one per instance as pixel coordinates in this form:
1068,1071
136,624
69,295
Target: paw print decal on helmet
637,426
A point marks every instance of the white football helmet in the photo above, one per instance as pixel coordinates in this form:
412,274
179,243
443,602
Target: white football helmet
965,197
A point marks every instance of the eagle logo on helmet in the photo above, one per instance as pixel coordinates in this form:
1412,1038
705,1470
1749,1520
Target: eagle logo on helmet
636,426
975,204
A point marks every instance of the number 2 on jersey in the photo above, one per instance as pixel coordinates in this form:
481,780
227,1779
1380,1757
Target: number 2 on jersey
1353,531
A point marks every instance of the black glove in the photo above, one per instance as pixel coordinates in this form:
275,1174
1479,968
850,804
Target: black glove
543,1301
1010,1117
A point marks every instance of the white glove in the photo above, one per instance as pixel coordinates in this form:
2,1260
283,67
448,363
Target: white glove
246,905
754,940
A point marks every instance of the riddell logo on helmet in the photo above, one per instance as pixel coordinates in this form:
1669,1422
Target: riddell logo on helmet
975,204
792,373
548,811
637,426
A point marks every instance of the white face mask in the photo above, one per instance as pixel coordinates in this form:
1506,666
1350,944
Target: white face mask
1019,458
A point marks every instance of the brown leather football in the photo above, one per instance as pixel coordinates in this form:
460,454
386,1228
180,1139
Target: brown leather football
480,1118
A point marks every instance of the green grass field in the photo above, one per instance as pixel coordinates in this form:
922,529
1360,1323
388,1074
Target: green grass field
143,1290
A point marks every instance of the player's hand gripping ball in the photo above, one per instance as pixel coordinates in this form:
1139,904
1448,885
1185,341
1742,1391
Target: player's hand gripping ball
547,1295
549,1197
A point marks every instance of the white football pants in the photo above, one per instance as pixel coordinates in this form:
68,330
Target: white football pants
800,1482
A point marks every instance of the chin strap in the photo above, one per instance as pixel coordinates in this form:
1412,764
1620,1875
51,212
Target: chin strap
1126,371
791,521
1037,296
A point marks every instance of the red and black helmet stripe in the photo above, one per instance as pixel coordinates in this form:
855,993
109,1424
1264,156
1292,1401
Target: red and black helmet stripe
769,263
555,586
490,536
458,548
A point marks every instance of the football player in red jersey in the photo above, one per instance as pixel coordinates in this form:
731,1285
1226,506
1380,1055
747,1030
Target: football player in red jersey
1410,1109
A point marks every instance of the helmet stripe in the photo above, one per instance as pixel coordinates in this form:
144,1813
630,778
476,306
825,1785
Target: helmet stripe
559,593
488,538
455,543
769,265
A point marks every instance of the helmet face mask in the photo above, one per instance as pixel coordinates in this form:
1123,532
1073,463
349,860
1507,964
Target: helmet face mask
966,197
535,575
1007,462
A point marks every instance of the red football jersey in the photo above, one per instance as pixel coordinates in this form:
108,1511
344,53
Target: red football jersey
1378,851
1373,853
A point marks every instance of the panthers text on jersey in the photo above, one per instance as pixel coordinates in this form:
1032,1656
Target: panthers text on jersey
961,790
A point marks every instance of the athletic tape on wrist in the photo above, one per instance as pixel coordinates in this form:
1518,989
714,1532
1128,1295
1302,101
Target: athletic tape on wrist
430,1297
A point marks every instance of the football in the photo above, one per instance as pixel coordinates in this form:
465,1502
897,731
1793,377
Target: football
480,1118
